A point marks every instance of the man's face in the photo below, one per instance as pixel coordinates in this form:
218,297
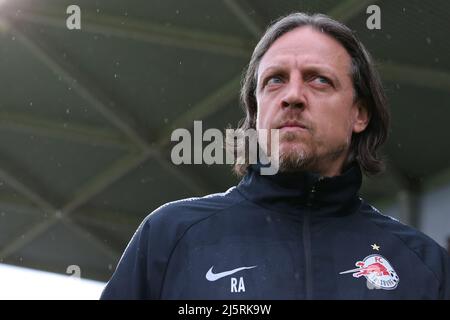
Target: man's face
305,90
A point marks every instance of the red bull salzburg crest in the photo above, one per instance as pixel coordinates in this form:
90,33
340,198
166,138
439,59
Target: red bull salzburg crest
378,272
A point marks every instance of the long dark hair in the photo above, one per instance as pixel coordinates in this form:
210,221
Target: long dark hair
366,83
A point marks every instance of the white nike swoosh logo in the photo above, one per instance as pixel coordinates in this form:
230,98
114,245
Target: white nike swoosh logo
210,276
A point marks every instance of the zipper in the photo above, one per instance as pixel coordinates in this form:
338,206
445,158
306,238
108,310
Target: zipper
307,243
308,263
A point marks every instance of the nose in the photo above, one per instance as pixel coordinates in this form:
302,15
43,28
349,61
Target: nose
294,95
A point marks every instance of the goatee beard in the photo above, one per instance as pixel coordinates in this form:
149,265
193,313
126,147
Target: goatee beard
300,159
294,161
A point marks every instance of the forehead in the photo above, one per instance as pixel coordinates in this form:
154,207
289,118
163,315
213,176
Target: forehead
305,45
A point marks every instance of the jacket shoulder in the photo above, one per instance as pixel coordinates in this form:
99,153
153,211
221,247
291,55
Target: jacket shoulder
188,211
140,272
168,224
409,235
428,250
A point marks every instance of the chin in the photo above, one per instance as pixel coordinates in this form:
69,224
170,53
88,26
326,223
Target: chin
292,148
293,157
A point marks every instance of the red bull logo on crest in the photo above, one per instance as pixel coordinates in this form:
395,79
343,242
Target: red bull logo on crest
378,272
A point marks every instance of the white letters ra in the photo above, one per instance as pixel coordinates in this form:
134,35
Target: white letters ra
237,286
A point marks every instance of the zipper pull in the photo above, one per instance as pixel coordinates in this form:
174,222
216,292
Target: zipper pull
312,193
311,196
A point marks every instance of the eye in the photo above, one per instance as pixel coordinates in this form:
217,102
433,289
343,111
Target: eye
322,80
274,80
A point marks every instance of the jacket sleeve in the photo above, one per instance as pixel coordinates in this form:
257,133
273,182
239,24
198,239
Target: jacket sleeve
129,279
445,290
139,274
141,270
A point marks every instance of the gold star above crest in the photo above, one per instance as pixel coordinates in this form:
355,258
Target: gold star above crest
375,247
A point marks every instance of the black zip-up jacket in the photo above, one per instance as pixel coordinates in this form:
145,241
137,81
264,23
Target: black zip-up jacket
287,236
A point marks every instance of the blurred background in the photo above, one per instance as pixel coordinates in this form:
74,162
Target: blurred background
86,115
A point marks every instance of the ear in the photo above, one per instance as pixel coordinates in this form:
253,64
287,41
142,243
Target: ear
361,118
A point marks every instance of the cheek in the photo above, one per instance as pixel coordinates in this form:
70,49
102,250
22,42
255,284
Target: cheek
263,116
262,121
258,119
338,123
335,127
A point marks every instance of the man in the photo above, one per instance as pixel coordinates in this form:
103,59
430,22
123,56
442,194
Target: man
303,233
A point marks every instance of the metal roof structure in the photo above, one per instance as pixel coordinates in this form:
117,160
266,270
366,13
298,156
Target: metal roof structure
86,115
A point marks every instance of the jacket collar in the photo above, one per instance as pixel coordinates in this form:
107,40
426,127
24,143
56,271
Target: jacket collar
296,192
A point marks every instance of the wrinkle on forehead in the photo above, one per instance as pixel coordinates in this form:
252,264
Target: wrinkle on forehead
305,45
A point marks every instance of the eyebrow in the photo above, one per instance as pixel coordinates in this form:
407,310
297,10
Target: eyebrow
313,67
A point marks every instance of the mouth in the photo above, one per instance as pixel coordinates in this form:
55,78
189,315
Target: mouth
292,126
